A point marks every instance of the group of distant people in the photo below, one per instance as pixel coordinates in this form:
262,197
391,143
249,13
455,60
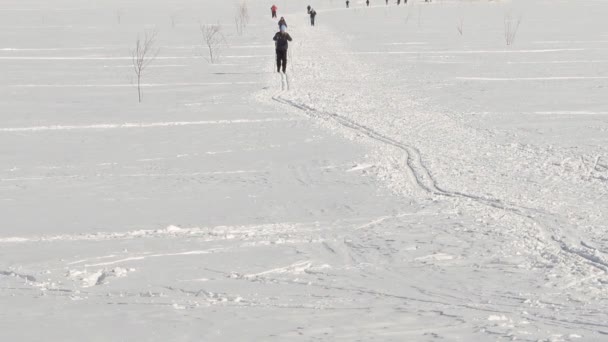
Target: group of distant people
398,2
311,12
282,38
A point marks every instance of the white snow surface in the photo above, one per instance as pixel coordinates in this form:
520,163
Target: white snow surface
411,177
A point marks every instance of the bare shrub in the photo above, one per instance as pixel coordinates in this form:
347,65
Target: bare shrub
142,55
241,18
243,11
459,26
511,28
408,15
214,40
240,26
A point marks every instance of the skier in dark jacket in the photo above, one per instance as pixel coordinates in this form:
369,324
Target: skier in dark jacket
282,39
282,22
313,14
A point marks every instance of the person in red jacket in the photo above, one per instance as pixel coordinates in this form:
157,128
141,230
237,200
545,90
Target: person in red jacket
273,9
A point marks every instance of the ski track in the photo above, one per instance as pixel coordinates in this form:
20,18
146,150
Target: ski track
133,125
220,231
145,85
111,58
555,78
561,244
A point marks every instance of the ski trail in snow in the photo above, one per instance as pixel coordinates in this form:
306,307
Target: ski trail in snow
555,78
212,232
298,267
284,82
555,237
416,166
147,85
141,125
147,256
287,82
109,58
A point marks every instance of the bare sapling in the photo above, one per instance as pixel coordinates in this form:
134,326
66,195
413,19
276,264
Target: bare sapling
238,25
241,18
408,15
460,25
214,40
142,55
511,28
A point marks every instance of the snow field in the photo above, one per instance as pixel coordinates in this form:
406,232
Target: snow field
401,182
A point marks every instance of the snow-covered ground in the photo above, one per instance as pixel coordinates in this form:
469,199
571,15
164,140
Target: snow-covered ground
412,178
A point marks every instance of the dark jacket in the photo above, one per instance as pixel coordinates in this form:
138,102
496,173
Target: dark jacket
282,40
313,13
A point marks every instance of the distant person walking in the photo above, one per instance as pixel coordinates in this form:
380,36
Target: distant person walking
386,2
313,14
273,10
348,2
282,39
367,3
282,22
398,2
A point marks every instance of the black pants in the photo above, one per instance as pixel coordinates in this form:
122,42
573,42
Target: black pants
312,21
281,60
274,14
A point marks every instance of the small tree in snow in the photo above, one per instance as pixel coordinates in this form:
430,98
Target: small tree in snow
214,40
460,26
241,18
511,27
142,55
118,16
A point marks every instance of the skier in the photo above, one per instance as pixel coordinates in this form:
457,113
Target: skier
367,2
313,14
282,22
282,39
273,10
348,2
